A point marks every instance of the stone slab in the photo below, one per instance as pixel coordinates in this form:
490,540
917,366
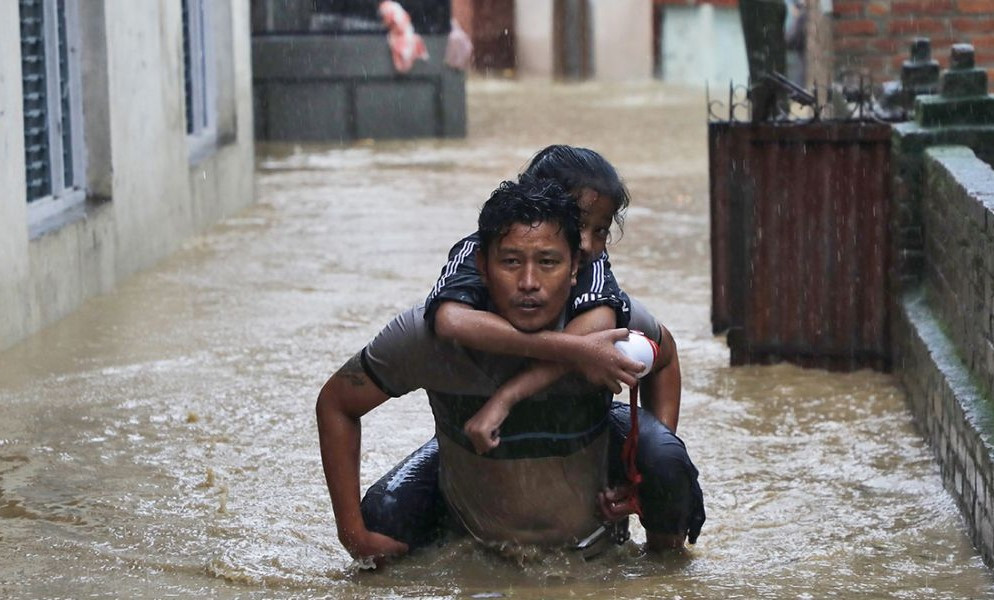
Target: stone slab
963,83
306,111
320,87
315,56
939,111
387,111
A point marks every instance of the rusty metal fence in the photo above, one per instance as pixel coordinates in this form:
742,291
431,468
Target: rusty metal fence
800,241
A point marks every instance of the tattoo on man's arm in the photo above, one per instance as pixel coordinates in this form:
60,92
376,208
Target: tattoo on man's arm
353,371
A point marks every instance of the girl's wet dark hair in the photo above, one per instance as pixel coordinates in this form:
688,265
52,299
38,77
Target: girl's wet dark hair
577,168
529,201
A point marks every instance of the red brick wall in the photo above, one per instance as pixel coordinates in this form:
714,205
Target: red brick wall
873,36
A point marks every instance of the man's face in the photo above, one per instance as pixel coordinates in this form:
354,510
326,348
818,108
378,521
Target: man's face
529,273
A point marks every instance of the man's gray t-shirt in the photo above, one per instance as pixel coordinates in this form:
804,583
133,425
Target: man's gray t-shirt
540,484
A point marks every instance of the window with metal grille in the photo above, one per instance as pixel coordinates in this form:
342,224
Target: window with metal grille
199,76
53,125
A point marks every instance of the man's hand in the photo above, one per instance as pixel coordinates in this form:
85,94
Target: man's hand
603,364
368,544
483,428
616,503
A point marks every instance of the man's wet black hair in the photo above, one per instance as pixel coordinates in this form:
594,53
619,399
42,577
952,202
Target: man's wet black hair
529,201
577,168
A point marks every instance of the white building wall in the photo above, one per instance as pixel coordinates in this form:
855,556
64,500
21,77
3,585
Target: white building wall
148,135
13,208
622,31
533,38
703,45
146,195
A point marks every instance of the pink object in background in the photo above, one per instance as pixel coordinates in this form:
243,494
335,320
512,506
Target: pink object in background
405,45
459,49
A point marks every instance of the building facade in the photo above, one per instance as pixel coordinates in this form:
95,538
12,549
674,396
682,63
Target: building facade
699,43
564,39
125,127
606,40
873,37
701,40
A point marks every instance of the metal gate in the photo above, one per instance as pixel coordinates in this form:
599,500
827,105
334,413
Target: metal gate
800,241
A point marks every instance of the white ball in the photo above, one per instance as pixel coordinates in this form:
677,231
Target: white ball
640,348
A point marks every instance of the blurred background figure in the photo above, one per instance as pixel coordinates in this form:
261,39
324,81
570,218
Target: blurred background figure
794,33
406,46
763,27
458,48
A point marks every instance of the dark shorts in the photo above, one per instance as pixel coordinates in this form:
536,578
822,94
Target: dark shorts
407,505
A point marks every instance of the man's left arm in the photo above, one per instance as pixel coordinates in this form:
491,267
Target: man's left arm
659,392
345,398
660,389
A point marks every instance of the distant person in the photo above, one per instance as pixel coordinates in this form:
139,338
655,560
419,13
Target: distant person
795,39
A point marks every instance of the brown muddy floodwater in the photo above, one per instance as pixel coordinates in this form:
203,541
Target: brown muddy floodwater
160,442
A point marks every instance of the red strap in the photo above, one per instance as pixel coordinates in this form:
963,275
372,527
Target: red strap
630,450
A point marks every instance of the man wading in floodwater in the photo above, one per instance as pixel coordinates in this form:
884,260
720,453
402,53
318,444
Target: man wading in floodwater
540,485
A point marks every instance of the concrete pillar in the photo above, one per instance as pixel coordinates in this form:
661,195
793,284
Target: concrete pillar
622,32
962,98
621,38
533,30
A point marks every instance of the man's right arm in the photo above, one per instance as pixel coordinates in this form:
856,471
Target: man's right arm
345,398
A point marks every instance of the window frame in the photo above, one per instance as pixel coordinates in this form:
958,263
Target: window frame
199,47
64,195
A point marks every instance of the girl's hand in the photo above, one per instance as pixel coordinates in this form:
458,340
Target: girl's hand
603,364
483,428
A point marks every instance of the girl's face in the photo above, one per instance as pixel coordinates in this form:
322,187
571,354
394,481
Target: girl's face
596,216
